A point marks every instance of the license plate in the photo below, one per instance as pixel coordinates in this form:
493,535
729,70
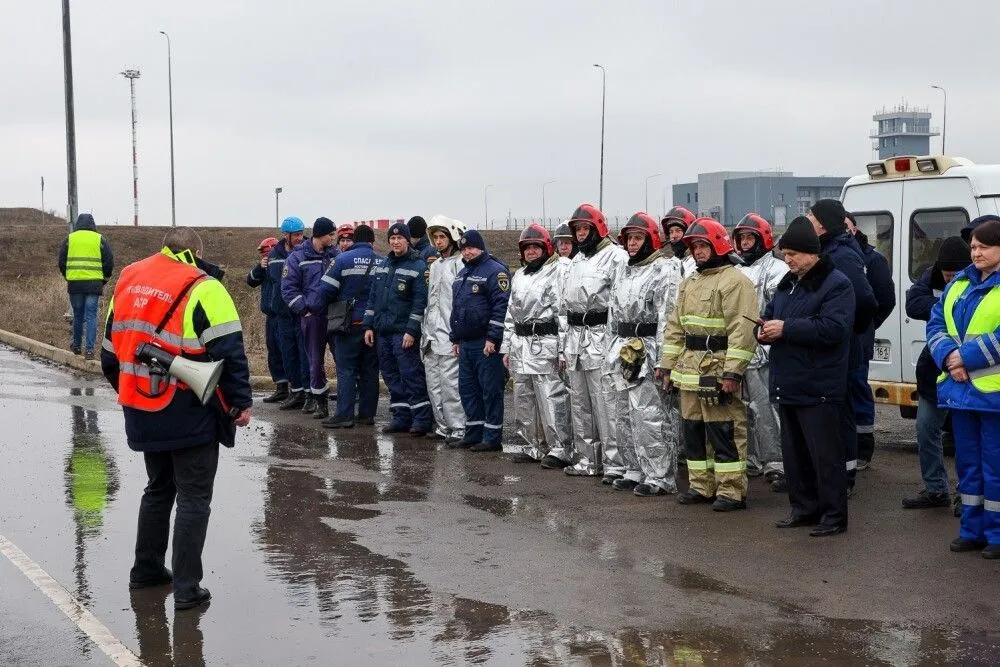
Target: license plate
883,348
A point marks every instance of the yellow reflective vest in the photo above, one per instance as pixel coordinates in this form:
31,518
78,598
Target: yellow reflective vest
83,256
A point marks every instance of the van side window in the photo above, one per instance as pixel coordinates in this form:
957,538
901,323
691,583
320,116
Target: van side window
877,226
928,230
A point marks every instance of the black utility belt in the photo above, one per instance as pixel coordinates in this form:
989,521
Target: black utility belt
550,328
709,343
636,329
589,318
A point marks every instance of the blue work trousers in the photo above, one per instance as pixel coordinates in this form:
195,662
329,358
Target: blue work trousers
84,317
403,373
930,420
481,382
977,460
314,335
863,402
293,351
275,366
357,375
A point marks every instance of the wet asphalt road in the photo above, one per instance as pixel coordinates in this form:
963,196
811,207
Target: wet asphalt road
359,548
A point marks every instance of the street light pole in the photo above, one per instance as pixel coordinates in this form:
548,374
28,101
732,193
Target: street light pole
486,206
543,200
71,195
944,124
600,201
277,217
648,178
170,101
132,75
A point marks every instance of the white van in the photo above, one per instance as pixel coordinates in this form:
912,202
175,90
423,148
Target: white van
907,206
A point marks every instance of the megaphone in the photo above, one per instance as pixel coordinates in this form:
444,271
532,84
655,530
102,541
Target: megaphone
200,376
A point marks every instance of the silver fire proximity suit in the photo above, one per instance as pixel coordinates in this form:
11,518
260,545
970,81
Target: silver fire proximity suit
648,434
764,431
533,330
592,395
436,352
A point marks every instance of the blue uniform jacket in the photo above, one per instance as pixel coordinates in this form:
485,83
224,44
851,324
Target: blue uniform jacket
425,249
978,352
346,278
920,300
809,362
261,277
398,296
479,297
302,276
880,278
847,257
275,267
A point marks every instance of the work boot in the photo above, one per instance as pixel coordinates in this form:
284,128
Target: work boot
460,444
925,500
420,431
75,349
201,596
610,478
648,491
337,422
521,457
992,552
779,484
692,497
395,428
280,393
89,355
322,410
623,484
310,405
486,447
723,504
553,463
295,400
366,421
960,544
165,578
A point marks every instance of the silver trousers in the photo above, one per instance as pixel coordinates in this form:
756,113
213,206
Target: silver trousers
541,417
442,389
592,398
648,434
763,426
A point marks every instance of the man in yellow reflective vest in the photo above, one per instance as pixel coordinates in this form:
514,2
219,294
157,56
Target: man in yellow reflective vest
708,345
86,261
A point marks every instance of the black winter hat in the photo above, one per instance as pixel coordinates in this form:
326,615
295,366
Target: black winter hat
364,234
323,227
969,228
398,229
418,227
800,236
830,213
954,255
472,239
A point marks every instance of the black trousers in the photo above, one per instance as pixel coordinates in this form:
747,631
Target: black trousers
814,454
189,476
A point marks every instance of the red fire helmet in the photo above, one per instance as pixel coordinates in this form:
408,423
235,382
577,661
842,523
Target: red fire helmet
592,215
712,232
535,234
755,224
641,222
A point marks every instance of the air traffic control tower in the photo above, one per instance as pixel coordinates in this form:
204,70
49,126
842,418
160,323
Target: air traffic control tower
902,130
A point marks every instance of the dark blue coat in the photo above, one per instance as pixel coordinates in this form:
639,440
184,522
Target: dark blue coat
302,276
260,277
398,296
425,249
275,267
809,362
883,287
479,300
920,300
349,278
847,257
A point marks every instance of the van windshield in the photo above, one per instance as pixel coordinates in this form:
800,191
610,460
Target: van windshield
877,226
928,230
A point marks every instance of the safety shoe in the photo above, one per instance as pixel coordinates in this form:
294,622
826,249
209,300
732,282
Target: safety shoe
723,504
779,484
338,422
165,578
826,530
280,393
322,410
692,497
460,444
623,484
487,447
310,405
75,350
960,544
420,431
610,478
366,421
521,457
991,552
89,355
793,521
295,400
925,500
200,597
553,463
648,491
395,428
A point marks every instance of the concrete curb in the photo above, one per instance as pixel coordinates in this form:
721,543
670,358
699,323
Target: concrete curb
67,358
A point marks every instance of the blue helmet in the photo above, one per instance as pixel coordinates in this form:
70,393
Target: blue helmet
291,225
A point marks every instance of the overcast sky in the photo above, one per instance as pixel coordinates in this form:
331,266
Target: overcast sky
375,109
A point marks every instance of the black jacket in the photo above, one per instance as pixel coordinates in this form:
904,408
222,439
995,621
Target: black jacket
920,299
809,363
86,221
847,257
880,278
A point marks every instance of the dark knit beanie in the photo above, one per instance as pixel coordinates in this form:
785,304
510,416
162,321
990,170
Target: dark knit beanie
323,227
800,236
364,234
830,213
472,239
399,229
954,255
418,227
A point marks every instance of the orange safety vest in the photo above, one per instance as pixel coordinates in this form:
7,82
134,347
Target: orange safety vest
145,293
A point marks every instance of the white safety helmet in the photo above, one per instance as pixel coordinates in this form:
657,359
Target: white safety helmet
453,228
